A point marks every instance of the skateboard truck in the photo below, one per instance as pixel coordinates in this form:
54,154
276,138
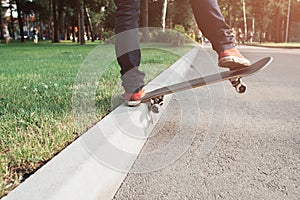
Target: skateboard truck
155,103
239,86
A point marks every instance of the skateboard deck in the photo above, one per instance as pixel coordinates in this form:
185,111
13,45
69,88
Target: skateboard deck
155,97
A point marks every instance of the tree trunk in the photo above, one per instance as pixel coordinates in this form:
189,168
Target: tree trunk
81,21
20,19
40,28
1,21
288,22
245,21
87,15
73,33
164,15
12,26
278,26
145,20
50,25
229,15
61,18
55,23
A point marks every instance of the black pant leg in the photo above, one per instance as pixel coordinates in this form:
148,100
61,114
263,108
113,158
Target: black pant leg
127,43
211,22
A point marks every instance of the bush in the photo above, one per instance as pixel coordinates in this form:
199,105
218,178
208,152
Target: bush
108,37
108,34
179,28
175,37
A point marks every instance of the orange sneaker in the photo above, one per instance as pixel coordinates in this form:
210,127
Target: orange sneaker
134,99
232,59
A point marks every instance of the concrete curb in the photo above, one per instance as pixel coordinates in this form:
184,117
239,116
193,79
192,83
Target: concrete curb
95,165
273,47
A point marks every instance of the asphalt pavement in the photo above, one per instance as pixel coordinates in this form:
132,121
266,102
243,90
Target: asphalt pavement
213,143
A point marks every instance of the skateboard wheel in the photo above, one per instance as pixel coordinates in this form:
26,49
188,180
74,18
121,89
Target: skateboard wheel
241,88
155,109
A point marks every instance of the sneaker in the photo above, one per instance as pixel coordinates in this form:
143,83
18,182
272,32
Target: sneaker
232,59
134,99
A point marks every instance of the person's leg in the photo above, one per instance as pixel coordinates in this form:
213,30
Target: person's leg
127,44
212,24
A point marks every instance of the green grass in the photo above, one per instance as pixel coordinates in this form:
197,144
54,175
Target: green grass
36,88
35,121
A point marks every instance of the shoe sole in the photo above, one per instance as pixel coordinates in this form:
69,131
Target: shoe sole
133,103
233,62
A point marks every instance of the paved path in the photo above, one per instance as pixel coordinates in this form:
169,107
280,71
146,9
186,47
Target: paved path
213,143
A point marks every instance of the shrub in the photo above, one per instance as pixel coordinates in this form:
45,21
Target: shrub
176,37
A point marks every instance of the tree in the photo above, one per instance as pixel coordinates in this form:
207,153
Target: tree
42,11
144,13
155,13
145,19
61,19
89,20
24,8
183,14
80,12
1,21
20,19
268,17
101,13
278,19
55,34
245,19
164,14
232,11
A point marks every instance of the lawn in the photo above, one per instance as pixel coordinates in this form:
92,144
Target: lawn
36,88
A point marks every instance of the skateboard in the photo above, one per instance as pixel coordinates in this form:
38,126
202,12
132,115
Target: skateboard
155,98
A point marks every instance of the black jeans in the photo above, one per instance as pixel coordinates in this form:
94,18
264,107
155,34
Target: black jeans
209,19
